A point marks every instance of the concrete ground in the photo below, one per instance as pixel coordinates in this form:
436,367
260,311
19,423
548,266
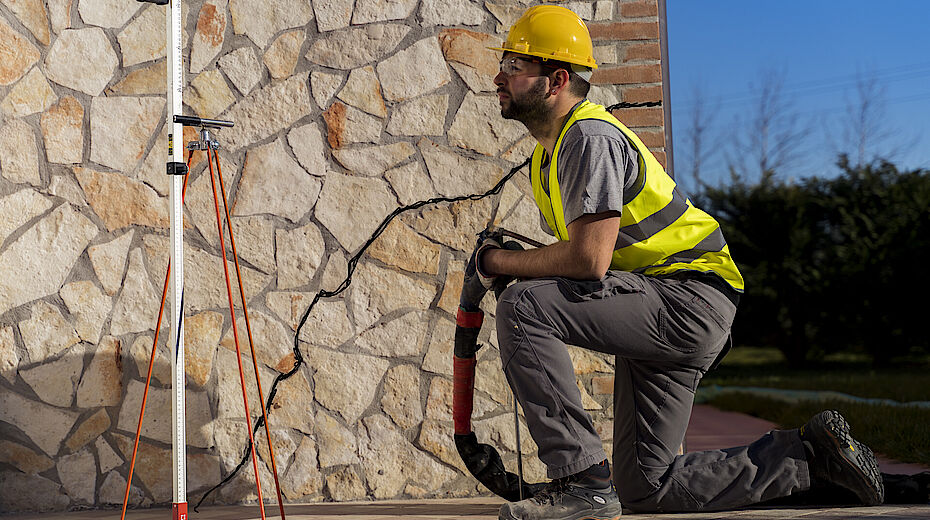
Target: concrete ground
710,428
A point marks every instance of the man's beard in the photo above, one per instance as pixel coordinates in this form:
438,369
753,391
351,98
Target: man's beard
531,108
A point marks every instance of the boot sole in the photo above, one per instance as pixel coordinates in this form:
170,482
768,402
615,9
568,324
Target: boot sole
606,513
868,479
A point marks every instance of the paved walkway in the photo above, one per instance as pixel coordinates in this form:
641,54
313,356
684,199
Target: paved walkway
706,431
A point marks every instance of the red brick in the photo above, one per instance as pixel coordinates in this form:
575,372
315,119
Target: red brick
624,31
643,51
642,94
640,117
628,74
652,139
639,9
602,385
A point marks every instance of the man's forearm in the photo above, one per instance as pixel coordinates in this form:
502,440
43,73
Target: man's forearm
558,259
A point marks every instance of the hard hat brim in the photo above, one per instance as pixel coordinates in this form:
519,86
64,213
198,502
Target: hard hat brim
549,56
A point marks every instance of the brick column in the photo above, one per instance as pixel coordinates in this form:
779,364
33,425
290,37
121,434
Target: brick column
637,35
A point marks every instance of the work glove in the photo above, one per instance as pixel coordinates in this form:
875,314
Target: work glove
477,281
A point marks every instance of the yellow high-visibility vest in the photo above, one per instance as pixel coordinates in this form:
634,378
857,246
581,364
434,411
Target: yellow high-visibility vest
661,232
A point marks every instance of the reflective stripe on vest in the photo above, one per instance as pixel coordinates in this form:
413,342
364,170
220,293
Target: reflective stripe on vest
661,232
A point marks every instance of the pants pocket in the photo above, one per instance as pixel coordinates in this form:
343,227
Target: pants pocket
691,324
613,283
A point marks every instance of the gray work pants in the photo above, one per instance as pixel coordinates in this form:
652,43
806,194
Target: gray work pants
665,334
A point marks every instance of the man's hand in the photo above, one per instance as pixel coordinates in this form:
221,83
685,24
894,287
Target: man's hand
586,256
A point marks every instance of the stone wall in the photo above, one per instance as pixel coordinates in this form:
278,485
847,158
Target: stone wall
344,110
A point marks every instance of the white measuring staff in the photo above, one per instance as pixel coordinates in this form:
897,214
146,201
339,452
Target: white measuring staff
176,285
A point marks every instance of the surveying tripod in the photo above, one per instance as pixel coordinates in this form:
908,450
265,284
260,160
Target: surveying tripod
173,291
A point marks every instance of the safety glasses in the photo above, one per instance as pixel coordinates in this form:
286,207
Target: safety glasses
518,65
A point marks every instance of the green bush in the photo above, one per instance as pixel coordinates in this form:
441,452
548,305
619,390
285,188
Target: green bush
831,265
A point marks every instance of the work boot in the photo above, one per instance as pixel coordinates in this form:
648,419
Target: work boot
583,496
835,458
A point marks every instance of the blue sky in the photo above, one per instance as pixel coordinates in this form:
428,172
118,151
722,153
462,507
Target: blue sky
820,50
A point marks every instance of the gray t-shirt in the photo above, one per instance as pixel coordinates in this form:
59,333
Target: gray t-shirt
596,163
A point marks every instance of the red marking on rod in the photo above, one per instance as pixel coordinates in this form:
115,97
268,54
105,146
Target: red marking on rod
469,320
179,511
463,393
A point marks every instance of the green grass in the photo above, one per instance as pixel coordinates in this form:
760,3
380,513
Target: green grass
748,366
902,433
898,432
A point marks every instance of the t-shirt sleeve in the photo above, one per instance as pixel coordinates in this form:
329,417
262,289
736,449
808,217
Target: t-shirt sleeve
594,167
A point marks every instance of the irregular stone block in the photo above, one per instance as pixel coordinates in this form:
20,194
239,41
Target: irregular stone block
18,54
19,155
32,94
370,11
400,81
23,458
351,48
377,292
298,253
102,384
109,261
363,91
366,200
78,475
307,143
324,86
445,167
30,493
205,286
209,95
401,399
273,183
120,129
55,381
345,485
242,67
404,336
337,444
59,239
260,20
267,111
137,307
477,126
372,161
422,116
82,59
333,14
89,430
46,333
45,425
156,424
283,53
272,342
303,477
89,306
33,16
332,372
411,183
389,460
21,207
402,247
327,325
202,334
454,12
63,131
208,38
107,13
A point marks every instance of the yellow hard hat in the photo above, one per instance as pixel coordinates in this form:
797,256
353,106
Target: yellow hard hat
551,32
